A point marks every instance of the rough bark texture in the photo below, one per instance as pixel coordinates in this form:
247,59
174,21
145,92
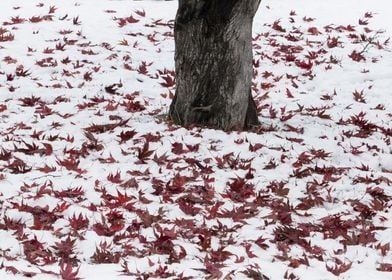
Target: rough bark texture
213,40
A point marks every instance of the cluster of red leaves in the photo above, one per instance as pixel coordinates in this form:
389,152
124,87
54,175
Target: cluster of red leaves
152,194
5,35
126,20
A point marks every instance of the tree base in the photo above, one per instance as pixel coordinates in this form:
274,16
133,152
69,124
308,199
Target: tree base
208,117
213,58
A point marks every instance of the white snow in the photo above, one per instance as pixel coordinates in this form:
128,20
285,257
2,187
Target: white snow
83,90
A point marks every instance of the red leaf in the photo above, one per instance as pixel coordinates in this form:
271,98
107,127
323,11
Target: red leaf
276,26
116,179
314,31
170,81
387,267
256,147
67,272
303,64
103,230
127,135
48,149
79,222
339,267
144,153
177,184
141,13
131,19
248,250
357,56
289,94
177,148
71,164
5,155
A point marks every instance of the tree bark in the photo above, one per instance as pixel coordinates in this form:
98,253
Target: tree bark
213,58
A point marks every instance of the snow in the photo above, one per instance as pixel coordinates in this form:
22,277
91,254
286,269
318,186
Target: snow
87,155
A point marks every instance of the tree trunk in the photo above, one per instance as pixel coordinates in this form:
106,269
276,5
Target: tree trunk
213,58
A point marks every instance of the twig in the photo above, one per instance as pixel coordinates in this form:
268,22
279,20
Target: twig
371,41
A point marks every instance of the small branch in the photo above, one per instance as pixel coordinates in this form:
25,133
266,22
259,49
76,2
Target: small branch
371,41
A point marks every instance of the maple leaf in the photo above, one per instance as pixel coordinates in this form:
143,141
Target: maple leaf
47,62
276,26
30,101
11,224
339,268
36,253
123,42
359,96
186,204
115,178
220,255
148,219
144,153
127,135
141,13
240,189
169,81
333,42
103,230
254,272
21,72
176,185
52,9
363,22
357,56
213,269
133,106
387,267
131,19
152,137
261,242
78,222
18,166
5,155
333,226
17,20
303,64
143,68
131,183
303,158
6,36
192,148
3,108
76,192
248,250
71,164
88,76
314,31
68,273
101,128
10,269
103,255
289,94
320,154
289,235
160,160
35,19
65,250
176,256
177,148
308,19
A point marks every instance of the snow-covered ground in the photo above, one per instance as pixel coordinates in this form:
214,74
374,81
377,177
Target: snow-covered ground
96,183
